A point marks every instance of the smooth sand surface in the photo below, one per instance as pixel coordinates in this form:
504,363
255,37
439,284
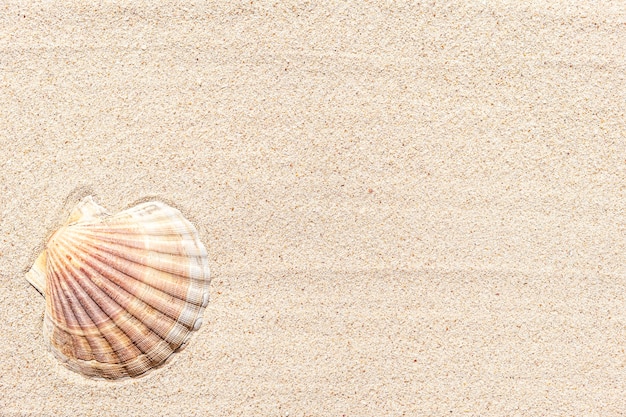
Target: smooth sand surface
410,210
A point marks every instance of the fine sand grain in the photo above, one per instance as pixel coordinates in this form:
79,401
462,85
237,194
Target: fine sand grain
409,210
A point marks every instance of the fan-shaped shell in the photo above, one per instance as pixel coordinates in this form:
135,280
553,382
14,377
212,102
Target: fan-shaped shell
123,292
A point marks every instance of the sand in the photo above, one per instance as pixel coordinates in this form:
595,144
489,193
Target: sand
410,210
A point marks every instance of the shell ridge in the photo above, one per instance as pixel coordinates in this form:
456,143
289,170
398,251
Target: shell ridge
120,325
127,230
125,298
112,312
168,264
162,216
67,319
187,312
172,246
86,287
153,210
171,263
55,302
132,272
102,348
66,336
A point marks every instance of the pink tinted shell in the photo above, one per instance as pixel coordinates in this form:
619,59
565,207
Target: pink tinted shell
123,292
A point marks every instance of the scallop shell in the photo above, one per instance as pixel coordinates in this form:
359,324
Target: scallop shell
123,292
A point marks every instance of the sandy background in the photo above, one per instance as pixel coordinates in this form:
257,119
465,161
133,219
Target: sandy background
410,210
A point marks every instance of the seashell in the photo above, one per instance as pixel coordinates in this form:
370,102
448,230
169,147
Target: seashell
123,292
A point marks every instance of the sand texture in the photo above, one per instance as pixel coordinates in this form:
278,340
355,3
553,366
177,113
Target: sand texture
410,210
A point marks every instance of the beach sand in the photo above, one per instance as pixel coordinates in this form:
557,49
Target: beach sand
409,210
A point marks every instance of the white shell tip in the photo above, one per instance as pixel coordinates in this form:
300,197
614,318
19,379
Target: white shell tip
87,209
